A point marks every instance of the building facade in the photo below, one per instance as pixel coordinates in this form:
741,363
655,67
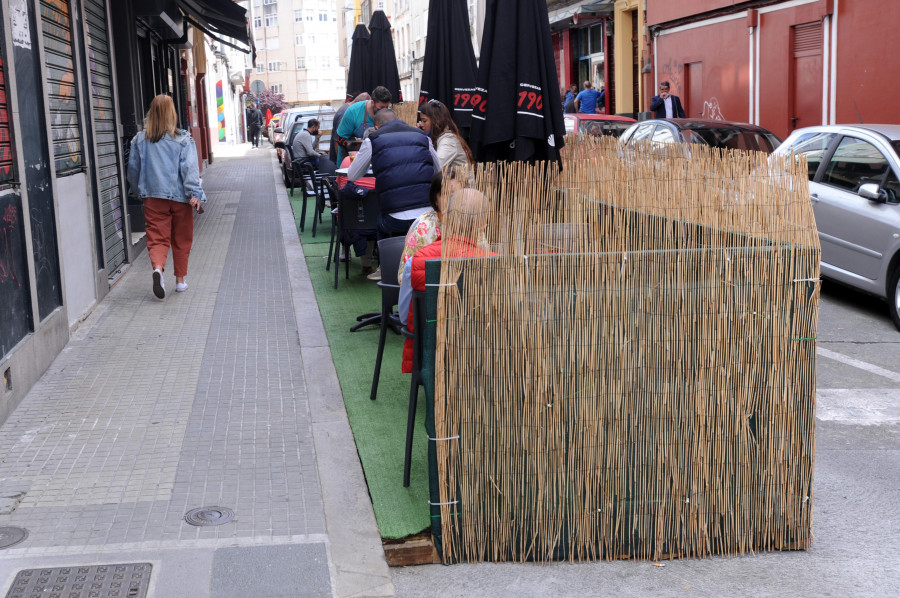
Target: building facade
76,79
780,64
298,49
581,32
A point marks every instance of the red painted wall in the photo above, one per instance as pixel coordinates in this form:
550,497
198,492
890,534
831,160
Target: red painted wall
724,50
660,11
867,62
775,57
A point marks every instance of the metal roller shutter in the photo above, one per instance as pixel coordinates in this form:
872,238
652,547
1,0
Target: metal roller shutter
58,55
7,173
103,114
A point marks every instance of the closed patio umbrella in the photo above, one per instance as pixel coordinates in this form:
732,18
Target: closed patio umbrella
449,69
358,73
382,59
519,112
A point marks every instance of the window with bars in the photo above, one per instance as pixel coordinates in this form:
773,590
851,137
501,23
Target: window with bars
274,66
271,20
323,17
276,88
301,63
260,67
257,21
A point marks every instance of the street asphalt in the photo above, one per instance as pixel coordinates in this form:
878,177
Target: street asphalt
226,396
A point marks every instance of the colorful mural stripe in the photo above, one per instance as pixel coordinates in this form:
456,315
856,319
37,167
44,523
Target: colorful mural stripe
220,110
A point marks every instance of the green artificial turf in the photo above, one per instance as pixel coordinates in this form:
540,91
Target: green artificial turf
379,427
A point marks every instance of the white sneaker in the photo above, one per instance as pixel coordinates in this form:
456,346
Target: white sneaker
159,284
180,287
376,275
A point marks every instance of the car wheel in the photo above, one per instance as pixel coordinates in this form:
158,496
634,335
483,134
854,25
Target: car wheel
893,296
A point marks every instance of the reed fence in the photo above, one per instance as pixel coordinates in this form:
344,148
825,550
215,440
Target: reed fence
632,373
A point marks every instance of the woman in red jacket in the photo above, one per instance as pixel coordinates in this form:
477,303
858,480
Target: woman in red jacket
465,211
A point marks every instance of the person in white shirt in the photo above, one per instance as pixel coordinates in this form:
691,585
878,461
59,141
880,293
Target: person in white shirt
666,105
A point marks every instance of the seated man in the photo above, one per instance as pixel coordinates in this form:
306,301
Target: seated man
304,149
403,161
463,212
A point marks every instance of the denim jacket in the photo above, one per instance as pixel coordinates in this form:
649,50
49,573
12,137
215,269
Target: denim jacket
166,169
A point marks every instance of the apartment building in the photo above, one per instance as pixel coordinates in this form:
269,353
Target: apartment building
298,49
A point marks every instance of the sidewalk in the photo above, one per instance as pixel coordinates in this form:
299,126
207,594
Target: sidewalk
224,395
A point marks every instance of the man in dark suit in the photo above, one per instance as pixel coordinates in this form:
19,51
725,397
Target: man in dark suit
666,105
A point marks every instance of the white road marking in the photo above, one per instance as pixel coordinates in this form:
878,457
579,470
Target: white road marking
861,406
859,364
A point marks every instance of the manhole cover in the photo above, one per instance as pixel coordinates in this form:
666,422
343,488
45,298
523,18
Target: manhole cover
209,516
10,536
110,581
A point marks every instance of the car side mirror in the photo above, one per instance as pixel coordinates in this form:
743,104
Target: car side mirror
872,192
279,130
279,144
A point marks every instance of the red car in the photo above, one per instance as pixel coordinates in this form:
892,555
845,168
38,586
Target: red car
597,124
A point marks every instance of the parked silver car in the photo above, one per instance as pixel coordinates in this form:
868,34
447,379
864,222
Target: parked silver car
853,183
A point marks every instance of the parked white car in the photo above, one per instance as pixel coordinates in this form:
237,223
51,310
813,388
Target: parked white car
854,185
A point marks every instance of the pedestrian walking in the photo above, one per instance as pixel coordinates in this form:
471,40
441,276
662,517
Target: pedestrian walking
163,172
254,125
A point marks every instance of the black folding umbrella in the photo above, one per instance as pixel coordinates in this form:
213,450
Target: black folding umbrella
382,59
518,114
449,70
358,74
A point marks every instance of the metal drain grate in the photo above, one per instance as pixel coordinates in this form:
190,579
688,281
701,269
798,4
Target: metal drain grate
10,536
209,516
102,581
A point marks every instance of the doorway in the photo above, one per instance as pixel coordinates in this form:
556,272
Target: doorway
805,91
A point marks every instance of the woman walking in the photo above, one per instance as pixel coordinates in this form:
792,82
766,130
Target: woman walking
163,171
435,120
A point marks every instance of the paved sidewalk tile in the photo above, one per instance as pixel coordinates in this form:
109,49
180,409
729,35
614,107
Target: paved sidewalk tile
158,407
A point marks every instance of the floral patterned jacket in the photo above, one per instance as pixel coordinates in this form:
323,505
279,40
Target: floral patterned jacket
425,230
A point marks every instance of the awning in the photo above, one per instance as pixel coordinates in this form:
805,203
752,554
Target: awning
562,18
219,19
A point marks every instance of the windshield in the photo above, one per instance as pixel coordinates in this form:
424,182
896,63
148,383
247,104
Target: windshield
603,127
729,138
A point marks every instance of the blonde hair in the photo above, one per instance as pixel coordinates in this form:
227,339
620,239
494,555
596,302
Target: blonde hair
161,118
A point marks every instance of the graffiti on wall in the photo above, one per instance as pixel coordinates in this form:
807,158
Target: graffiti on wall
673,72
711,109
8,244
57,28
220,110
6,155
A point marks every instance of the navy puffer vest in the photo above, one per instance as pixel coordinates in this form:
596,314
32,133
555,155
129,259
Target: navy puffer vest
401,162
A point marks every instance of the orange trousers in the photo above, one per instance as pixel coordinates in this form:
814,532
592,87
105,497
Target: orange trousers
169,223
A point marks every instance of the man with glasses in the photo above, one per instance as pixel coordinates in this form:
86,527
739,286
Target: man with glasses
666,105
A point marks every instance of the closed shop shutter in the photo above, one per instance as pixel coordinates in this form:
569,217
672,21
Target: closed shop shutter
6,154
58,54
106,154
15,297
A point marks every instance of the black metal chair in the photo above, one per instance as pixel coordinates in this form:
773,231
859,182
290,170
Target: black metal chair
389,251
417,334
329,183
357,211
